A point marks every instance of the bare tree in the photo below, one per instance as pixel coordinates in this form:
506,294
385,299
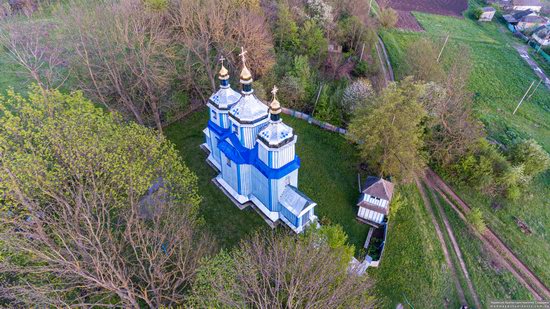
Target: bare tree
33,46
454,128
280,271
125,56
209,29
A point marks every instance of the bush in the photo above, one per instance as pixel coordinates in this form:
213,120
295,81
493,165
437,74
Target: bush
360,69
475,216
387,17
530,154
477,12
356,95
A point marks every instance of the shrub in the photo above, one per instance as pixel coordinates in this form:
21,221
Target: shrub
387,17
361,69
532,156
356,95
477,12
475,216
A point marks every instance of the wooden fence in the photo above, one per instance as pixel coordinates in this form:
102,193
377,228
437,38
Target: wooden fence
323,125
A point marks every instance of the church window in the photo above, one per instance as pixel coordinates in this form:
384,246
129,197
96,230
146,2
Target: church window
214,115
235,129
228,162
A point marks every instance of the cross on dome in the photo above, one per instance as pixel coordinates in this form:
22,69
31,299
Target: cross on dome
246,77
224,74
242,55
274,91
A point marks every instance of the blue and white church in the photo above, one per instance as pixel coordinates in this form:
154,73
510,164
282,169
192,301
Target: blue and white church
254,152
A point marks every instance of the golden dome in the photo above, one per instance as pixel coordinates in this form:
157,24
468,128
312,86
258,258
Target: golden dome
245,74
224,73
275,105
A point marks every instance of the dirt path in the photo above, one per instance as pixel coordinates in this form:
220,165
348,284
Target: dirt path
448,260
523,52
456,249
491,241
384,62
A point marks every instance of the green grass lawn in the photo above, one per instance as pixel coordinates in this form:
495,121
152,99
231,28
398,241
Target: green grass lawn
499,76
328,175
413,267
498,80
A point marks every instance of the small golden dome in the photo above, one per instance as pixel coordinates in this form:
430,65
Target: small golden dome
275,105
245,74
224,73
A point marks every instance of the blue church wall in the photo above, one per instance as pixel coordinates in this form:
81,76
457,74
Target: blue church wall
290,216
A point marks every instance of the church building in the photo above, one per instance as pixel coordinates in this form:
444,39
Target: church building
254,152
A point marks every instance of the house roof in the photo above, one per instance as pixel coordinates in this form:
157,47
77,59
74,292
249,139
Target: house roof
378,187
526,3
516,16
533,19
294,200
488,9
543,32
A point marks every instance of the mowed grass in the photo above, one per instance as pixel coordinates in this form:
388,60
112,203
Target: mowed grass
413,268
327,175
498,80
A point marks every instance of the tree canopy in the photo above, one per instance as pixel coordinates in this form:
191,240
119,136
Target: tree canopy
389,130
100,210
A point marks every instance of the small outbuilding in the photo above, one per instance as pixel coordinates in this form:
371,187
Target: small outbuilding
374,202
487,13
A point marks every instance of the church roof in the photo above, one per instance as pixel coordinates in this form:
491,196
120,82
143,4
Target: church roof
249,109
378,187
294,200
224,98
276,134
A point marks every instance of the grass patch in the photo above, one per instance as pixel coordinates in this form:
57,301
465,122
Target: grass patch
413,268
498,80
327,175
499,76
491,280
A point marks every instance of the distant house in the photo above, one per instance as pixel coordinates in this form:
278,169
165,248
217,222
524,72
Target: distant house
515,17
531,21
542,36
374,201
521,5
487,13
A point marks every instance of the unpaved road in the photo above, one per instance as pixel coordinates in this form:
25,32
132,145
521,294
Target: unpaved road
491,241
439,233
522,50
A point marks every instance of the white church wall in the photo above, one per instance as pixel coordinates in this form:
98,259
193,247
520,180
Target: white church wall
246,187
283,156
260,186
229,172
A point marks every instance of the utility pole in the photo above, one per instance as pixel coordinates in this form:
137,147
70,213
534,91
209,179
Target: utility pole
370,6
521,101
362,50
540,81
442,48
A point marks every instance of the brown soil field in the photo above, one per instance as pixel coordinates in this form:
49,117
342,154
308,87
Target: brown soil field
407,21
441,7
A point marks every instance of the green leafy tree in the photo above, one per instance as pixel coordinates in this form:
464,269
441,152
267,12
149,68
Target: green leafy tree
532,156
389,132
422,61
103,210
313,42
286,30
